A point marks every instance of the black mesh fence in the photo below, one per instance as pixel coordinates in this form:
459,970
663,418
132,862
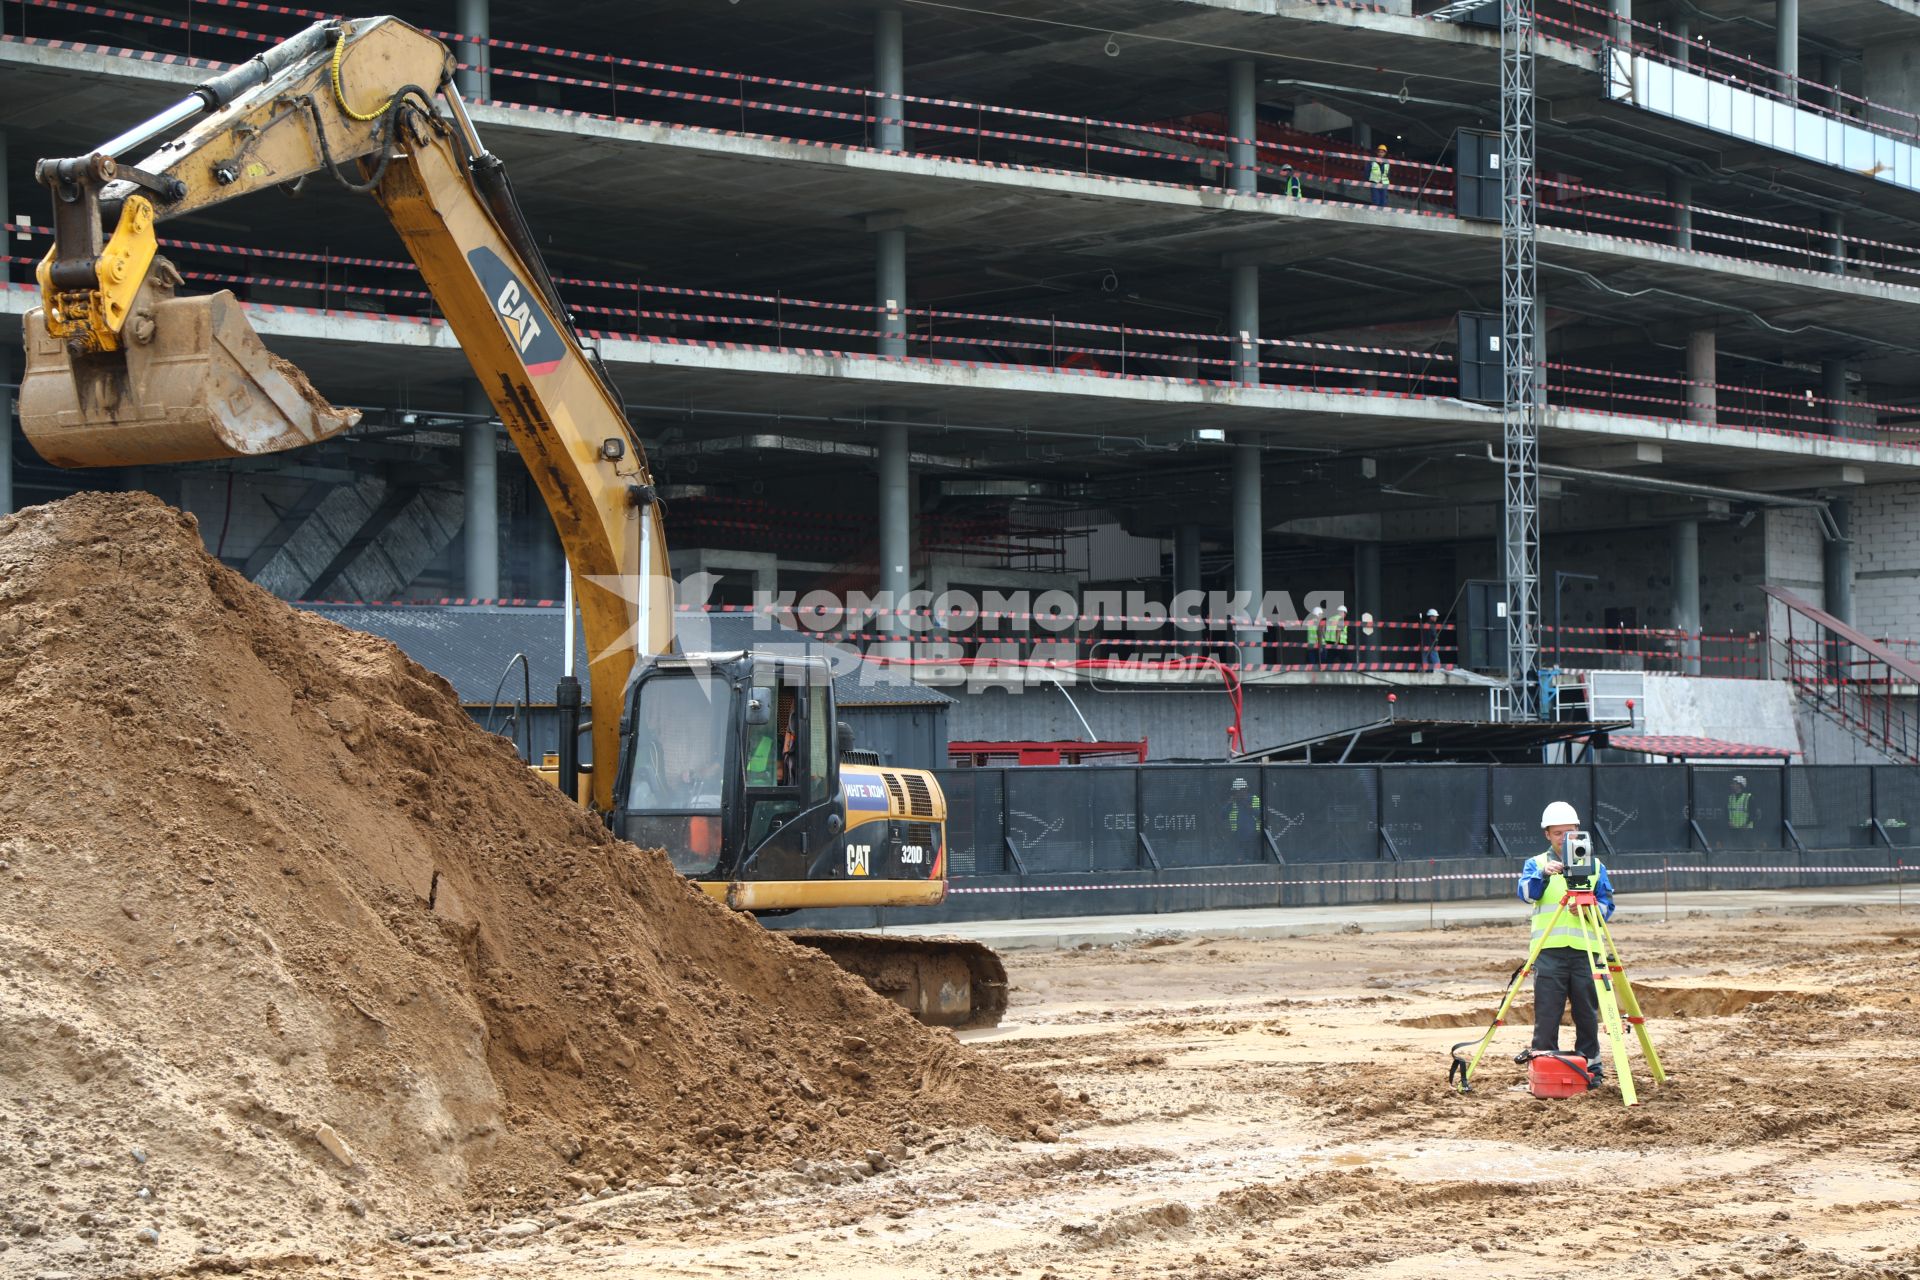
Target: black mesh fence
1831,805
1324,813
1738,806
975,837
1641,808
1435,810
1201,816
1133,819
1896,803
1517,795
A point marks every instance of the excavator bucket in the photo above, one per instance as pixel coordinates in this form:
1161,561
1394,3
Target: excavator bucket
192,381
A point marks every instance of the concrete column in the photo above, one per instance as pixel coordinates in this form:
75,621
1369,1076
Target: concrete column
896,529
1366,581
1833,390
10,363
1186,558
480,480
1786,46
6,214
1619,26
1683,32
1686,589
1241,124
1837,564
1680,191
1835,224
1249,577
475,19
1830,71
1702,372
1243,322
890,289
889,79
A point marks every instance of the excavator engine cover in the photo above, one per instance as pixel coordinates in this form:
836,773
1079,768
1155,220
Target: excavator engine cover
191,382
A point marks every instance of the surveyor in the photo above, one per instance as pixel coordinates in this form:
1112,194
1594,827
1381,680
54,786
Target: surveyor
1378,174
1563,971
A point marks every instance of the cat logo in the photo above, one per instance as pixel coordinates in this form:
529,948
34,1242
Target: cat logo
524,320
859,859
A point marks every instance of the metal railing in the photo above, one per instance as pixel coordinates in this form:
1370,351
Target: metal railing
1854,681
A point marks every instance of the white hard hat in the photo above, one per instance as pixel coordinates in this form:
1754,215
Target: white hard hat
1343,608
1740,778
1558,814
1318,611
1433,613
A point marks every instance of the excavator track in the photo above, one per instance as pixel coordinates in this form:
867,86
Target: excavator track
943,982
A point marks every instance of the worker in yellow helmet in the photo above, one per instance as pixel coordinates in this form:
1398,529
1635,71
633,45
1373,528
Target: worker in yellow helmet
1563,971
1379,175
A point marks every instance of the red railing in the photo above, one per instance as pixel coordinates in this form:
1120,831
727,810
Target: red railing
1854,681
1191,152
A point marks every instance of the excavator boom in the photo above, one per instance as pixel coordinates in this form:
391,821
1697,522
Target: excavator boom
122,372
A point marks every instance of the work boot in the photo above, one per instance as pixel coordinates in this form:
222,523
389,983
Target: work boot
1524,1056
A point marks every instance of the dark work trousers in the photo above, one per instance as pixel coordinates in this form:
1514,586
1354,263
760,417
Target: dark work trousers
1564,973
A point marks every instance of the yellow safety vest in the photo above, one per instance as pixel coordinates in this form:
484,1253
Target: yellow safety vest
1737,815
1313,632
1377,174
760,762
1337,631
1565,934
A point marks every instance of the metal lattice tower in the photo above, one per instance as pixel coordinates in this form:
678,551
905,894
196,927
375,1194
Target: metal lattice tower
1519,342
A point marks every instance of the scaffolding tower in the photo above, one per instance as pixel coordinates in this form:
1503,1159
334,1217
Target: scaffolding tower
1522,398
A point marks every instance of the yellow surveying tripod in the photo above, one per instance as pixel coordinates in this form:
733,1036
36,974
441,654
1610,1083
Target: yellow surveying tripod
1609,973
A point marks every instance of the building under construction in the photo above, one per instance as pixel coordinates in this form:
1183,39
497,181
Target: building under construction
1123,301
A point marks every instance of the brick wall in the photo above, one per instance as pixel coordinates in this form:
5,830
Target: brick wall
1634,568
1886,560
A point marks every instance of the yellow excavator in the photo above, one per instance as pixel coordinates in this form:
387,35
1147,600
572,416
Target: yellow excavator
730,762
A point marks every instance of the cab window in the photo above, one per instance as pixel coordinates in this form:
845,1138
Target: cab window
679,746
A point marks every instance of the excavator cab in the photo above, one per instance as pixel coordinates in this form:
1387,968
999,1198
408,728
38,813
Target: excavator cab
778,813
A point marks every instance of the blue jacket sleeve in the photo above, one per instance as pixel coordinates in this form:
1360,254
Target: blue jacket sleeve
1603,893
1533,881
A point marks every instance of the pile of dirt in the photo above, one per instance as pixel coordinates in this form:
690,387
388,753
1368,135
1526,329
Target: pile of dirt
292,955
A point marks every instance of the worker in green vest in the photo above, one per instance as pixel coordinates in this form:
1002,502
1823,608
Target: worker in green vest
1289,181
1316,633
1379,175
1336,637
761,769
1740,812
1563,970
1243,808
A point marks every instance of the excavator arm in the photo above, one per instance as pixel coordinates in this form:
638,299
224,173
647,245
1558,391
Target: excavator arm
120,372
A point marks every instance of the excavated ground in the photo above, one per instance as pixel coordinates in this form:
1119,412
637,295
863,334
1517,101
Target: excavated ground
1280,1108
294,959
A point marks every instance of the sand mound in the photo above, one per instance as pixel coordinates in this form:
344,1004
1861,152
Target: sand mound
292,954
